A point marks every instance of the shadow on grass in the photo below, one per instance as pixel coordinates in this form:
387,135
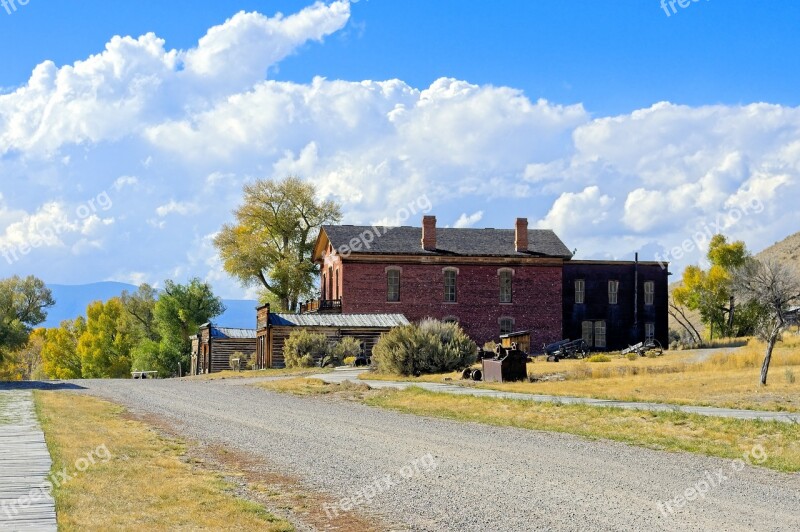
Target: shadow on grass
39,385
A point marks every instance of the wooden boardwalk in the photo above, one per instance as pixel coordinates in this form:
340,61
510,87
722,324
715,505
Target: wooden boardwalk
25,499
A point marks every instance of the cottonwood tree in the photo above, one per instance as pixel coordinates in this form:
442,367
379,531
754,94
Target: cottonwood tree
105,346
178,313
272,240
774,288
60,357
710,292
23,305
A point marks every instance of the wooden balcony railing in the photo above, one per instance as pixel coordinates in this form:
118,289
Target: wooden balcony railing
321,306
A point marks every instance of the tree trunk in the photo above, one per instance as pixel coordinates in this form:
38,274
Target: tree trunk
731,315
773,337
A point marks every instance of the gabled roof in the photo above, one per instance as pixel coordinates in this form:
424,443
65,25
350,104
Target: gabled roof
449,241
338,320
229,332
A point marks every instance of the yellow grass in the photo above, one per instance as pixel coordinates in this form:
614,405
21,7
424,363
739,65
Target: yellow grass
249,374
724,380
301,386
144,485
670,431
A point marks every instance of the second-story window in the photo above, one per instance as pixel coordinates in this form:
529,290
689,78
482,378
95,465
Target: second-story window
613,292
580,291
392,285
450,294
506,325
649,292
505,286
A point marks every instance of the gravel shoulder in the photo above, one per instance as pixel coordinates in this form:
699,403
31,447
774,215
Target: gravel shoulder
485,477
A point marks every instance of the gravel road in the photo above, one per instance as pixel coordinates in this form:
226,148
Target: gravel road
483,478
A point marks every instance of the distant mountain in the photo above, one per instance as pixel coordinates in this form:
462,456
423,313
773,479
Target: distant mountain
72,300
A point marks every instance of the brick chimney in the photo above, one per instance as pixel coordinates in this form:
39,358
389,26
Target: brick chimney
521,235
429,233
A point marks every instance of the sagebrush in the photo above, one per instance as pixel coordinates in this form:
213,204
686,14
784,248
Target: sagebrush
302,349
428,347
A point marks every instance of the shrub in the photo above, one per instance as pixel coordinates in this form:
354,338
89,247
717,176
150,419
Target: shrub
789,375
632,356
242,360
303,348
428,347
347,347
599,358
349,361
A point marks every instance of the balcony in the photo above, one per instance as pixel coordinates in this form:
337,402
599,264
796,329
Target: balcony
321,306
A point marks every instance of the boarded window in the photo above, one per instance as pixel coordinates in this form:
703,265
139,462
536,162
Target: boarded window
613,292
599,334
649,292
506,325
393,285
649,331
505,286
580,291
587,331
450,286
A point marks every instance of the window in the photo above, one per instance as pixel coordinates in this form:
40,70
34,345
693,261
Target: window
613,292
649,292
580,291
649,331
506,325
587,328
329,292
337,284
392,285
599,334
505,286
450,286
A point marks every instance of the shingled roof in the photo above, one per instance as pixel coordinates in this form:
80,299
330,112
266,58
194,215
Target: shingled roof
449,241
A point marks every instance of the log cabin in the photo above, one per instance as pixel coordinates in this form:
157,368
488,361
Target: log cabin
213,346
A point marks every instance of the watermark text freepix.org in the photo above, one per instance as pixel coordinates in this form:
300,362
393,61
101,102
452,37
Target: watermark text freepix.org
10,509
711,480
366,494
708,230
669,5
365,240
11,6
42,235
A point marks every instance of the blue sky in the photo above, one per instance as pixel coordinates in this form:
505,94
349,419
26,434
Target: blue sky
612,56
620,127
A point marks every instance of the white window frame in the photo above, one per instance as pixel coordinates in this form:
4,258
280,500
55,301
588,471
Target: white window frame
613,292
580,291
600,334
509,296
649,293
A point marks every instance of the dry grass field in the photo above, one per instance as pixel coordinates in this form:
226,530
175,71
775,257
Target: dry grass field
723,379
145,485
249,374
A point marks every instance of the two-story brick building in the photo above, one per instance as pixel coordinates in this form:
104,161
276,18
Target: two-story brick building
491,281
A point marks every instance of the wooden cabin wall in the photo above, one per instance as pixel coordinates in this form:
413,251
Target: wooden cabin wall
279,334
223,348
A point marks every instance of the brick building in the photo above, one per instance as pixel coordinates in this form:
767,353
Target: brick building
491,281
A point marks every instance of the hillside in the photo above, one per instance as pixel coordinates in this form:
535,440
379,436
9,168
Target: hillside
72,300
786,251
